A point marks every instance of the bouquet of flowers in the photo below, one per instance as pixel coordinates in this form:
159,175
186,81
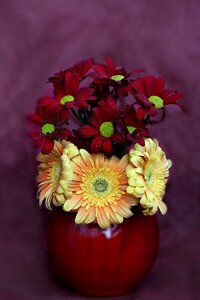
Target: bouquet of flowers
96,156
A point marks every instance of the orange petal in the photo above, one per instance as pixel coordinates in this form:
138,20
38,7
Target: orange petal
87,159
102,219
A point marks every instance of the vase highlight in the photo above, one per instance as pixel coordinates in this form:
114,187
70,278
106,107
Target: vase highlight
96,262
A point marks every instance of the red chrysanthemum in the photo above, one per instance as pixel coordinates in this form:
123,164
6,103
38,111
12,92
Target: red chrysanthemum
82,68
135,129
151,95
49,123
103,130
78,140
58,81
68,93
108,74
108,70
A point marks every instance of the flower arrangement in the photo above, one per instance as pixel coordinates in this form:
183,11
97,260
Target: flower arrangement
105,163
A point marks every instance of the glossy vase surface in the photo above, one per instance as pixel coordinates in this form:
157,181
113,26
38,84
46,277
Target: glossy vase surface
97,262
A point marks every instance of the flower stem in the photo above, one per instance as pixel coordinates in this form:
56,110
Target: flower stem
86,117
77,116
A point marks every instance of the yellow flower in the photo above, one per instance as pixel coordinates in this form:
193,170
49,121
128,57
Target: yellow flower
99,190
54,174
148,173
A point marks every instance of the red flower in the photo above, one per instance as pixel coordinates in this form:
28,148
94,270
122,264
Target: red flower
70,93
58,81
50,126
66,85
103,130
108,70
82,68
107,74
151,95
135,129
78,140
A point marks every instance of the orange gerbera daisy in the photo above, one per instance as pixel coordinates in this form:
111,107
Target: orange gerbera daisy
99,190
54,173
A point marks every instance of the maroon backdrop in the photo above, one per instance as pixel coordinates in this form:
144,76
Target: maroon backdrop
39,38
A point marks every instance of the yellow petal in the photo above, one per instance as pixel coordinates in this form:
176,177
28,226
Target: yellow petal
86,158
72,203
81,216
90,216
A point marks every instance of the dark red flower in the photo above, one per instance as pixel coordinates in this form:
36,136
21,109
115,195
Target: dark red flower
103,131
72,93
108,74
69,94
82,68
108,70
78,140
79,70
49,123
151,95
135,129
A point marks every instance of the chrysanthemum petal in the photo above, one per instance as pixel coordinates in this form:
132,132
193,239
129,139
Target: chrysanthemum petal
96,144
107,146
88,131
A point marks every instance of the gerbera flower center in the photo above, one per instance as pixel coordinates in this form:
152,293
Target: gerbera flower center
157,101
67,98
149,174
100,185
107,129
48,128
117,77
56,169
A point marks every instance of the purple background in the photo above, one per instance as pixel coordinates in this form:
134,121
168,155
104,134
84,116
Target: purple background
39,38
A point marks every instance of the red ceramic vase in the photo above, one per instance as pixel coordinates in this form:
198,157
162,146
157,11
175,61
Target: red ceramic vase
97,262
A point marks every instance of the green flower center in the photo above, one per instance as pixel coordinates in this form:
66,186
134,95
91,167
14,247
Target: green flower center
100,185
106,129
149,174
48,128
157,101
131,129
117,77
68,98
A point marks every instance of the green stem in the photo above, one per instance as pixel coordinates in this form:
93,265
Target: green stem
77,116
86,117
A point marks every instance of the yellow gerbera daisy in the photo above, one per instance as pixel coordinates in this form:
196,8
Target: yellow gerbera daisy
148,173
54,173
99,190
